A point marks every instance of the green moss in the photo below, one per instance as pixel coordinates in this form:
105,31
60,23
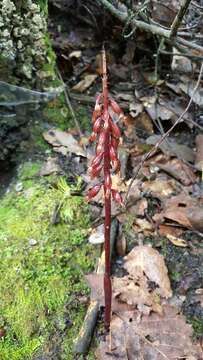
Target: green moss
43,5
175,275
29,169
41,281
84,119
197,325
56,112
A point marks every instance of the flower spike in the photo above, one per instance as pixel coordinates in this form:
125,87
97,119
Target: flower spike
107,136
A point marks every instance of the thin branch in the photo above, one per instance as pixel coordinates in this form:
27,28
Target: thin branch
194,57
197,5
69,104
179,17
154,29
153,150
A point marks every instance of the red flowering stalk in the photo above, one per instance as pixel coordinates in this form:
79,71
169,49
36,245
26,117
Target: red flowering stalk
106,161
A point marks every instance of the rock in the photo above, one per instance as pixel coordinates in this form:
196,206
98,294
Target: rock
19,187
33,242
97,235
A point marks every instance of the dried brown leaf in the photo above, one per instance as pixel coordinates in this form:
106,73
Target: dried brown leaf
153,337
152,264
161,188
177,241
180,171
85,83
63,142
136,292
170,230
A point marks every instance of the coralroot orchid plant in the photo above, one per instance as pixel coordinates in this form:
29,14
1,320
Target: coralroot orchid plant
107,135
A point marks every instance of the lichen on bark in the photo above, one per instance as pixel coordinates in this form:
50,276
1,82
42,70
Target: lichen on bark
26,55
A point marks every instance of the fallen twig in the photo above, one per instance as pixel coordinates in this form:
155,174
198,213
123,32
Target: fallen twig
179,17
69,104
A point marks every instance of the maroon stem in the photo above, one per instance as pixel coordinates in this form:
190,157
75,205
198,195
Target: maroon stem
107,204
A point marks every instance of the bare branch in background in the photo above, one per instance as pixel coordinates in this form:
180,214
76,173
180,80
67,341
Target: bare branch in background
166,33
179,17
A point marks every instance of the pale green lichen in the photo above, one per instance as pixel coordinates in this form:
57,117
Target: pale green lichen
23,40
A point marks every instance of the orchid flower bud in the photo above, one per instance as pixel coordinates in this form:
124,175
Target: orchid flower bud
114,142
116,108
97,160
102,137
99,149
115,130
97,125
116,165
92,137
97,101
93,192
96,113
112,153
94,171
117,197
106,119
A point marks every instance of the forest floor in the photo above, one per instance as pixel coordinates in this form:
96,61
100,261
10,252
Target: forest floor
45,223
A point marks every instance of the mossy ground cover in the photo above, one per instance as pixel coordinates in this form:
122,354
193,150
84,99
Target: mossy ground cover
42,266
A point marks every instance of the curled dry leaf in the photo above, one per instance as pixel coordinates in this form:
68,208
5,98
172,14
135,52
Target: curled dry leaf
170,230
85,83
142,225
184,210
152,265
153,337
63,142
161,188
177,241
180,171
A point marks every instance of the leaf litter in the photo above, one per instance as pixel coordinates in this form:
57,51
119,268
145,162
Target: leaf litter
164,201
154,337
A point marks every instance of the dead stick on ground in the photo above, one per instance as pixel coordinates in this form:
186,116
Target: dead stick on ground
154,29
69,104
179,120
84,338
179,17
